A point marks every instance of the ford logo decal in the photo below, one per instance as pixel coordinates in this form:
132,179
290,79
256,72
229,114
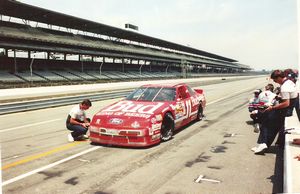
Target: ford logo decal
116,121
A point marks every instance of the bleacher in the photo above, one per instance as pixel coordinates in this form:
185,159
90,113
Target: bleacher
97,75
82,75
68,75
121,75
113,75
50,76
30,77
6,77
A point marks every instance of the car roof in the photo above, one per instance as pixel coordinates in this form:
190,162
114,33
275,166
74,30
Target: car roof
164,85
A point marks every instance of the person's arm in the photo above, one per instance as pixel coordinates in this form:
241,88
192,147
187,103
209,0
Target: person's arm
86,122
74,122
285,103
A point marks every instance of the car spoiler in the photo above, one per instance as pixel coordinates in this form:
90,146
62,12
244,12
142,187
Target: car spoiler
199,91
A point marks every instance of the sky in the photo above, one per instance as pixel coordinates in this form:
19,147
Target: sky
260,33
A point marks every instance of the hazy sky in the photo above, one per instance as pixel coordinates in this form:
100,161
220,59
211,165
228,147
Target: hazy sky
259,33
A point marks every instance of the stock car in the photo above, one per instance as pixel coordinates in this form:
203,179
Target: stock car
149,115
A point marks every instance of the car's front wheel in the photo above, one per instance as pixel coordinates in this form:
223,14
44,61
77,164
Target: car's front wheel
167,127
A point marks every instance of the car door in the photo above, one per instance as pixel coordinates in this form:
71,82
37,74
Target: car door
194,100
183,107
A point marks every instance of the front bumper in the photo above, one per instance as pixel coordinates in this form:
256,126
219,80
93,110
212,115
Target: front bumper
124,140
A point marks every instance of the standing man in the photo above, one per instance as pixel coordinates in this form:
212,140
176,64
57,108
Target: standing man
288,96
77,122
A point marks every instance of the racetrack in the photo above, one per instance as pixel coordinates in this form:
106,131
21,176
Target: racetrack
36,157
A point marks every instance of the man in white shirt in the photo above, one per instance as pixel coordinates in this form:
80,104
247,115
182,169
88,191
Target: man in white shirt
288,95
77,122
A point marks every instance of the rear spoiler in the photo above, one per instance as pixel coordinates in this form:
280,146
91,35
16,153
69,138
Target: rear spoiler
199,91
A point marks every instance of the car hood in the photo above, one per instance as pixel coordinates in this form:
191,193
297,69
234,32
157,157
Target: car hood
129,114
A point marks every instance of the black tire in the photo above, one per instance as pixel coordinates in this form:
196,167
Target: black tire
200,114
167,127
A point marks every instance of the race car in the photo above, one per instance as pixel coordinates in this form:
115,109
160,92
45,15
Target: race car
149,115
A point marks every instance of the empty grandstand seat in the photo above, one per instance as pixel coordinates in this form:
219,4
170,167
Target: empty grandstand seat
67,75
114,75
97,75
6,77
31,77
82,75
50,76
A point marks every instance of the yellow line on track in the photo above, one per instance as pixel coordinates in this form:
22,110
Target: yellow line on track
34,157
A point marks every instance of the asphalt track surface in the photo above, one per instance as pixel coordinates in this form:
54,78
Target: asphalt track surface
36,157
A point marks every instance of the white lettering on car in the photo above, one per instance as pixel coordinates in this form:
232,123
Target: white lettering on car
188,108
128,106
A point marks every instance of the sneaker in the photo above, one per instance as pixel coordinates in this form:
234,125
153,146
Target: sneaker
82,137
85,136
253,149
261,148
70,138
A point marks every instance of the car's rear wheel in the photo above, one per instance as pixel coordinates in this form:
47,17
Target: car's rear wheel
167,127
200,114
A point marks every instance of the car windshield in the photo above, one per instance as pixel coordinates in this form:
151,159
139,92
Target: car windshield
152,94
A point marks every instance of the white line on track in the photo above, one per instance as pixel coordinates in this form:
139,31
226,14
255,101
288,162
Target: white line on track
29,125
49,166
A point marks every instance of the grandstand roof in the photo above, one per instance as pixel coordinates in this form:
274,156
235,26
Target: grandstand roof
24,11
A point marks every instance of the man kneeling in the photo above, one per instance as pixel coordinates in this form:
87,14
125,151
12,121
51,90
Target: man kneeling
77,122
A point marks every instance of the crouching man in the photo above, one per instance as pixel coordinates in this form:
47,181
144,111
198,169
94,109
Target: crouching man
77,122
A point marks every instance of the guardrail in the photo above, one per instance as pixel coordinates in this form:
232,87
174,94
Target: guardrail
54,102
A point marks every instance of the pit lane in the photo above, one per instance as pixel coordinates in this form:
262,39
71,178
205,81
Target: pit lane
168,167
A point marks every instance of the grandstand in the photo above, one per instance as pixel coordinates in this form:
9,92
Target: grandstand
40,47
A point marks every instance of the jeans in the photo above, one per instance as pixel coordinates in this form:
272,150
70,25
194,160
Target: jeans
297,108
78,130
268,128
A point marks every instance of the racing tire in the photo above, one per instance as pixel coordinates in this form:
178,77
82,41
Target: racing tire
200,114
167,127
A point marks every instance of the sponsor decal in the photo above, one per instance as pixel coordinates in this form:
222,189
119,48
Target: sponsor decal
105,113
195,100
116,121
156,126
98,121
112,132
128,106
129,114
135,124
179,110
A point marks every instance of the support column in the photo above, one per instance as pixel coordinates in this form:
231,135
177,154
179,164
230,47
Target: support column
6,52
123,65
15,62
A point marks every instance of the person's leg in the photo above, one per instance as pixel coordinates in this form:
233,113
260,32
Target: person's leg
77,130
281,127
264,121
273,127
297,107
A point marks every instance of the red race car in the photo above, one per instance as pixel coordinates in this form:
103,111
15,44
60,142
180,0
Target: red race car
148,115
